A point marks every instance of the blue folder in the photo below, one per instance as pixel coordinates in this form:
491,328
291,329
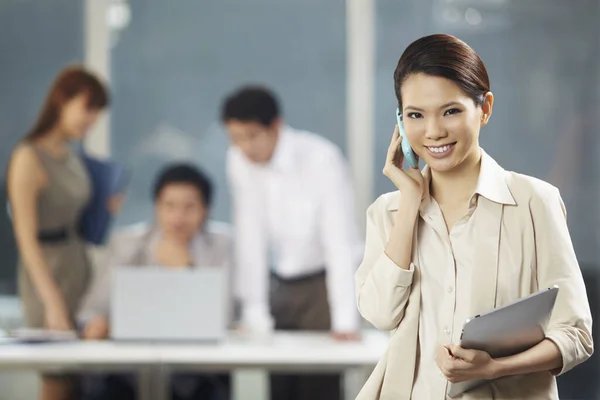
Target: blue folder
108,179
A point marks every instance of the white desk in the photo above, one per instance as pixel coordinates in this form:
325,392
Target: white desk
282,351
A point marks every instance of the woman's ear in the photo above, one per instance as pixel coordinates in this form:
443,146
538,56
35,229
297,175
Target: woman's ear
486,108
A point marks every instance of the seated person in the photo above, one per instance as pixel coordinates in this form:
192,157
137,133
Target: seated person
179,238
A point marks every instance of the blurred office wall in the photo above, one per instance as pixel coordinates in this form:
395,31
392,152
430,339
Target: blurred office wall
175,61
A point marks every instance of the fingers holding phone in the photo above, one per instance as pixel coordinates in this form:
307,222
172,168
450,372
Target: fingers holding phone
411,158
408,182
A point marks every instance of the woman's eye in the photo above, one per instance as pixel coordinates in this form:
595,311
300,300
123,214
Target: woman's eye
415,115
452,111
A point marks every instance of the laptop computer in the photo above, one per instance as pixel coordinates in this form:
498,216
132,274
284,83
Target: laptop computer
507,330
158,304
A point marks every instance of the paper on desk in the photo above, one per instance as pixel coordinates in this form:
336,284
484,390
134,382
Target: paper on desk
27,335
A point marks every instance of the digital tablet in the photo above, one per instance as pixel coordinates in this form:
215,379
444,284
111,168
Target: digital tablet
507,330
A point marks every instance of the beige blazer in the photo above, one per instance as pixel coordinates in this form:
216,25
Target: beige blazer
523,246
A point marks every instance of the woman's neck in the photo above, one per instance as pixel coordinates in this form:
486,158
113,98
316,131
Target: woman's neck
54,142
459,184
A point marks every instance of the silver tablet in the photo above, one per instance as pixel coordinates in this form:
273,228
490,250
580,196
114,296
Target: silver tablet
507,330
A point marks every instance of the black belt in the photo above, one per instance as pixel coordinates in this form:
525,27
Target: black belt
56,235
299,278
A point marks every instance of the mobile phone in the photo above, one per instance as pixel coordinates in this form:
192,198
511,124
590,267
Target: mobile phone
409,154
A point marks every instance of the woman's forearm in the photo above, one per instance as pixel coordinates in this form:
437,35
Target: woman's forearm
399,247
40,274
543,357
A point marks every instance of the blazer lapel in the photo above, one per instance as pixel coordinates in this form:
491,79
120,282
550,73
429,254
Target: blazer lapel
485,268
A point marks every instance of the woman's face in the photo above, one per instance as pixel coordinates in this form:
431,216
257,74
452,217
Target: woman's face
77,118
180,210
442,123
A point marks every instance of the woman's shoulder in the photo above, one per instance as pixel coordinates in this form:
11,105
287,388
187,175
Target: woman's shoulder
25,165
219,234
385,202
24,152
525,188
127,241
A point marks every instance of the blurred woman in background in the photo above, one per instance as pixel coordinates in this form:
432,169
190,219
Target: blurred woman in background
48,188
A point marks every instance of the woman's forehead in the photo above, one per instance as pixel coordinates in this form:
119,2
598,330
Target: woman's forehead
426,91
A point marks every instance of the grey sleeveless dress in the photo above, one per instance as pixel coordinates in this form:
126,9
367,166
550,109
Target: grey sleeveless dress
59,207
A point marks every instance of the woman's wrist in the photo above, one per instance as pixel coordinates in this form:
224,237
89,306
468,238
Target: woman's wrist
400,242
496,369
408,209
410,201
52,298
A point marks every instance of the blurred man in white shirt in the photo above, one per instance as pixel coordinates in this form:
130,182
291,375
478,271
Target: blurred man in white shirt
297,244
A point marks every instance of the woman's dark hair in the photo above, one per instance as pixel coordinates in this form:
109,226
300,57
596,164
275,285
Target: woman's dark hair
251,104
186,174
445,56
72,81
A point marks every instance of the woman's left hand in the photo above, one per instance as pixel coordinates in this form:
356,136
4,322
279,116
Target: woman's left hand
459,365
115,203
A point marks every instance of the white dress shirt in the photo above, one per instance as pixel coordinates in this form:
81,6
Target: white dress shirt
295,215
446,266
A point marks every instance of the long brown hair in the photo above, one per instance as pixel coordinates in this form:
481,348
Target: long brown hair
72,81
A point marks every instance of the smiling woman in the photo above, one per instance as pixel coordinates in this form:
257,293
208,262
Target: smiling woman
449,100
460,238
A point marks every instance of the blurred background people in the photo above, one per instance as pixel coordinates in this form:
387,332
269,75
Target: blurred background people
332,63
180,237
48,187
296,237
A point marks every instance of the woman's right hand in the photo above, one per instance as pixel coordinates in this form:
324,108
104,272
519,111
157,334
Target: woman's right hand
410,182
115,203
96,329
57,318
